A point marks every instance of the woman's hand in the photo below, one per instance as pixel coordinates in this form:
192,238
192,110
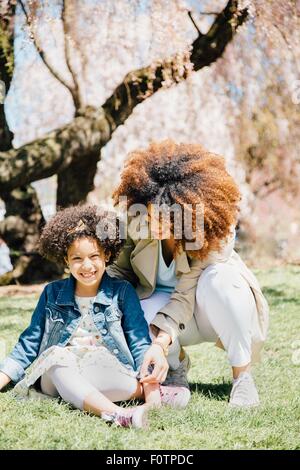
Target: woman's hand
154,356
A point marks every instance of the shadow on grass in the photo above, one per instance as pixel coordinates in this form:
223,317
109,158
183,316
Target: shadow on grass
212,391
274,292
276,295
10,312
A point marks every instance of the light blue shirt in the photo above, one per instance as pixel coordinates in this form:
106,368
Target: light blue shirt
166,278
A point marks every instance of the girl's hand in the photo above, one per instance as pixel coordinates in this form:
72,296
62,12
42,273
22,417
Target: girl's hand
154,356
4,380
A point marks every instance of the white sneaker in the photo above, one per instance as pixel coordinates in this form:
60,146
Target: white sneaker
177,397
243,392
130,418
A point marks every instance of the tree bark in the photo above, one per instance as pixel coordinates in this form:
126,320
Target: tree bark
75,182
20,229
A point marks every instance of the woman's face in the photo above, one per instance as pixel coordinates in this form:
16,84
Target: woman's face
160,227
86,260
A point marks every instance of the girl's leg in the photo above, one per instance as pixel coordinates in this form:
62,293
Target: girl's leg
75,389
107,375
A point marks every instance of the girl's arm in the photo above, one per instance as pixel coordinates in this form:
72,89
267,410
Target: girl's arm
4,380
27,347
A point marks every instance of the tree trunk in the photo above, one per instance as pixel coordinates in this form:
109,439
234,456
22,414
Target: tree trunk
75,182
20,230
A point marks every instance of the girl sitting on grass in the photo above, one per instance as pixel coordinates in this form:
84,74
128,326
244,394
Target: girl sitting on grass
88,336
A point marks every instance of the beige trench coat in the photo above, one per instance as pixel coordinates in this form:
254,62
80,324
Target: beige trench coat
138,263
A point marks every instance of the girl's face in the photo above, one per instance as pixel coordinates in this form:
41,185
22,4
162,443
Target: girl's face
86,260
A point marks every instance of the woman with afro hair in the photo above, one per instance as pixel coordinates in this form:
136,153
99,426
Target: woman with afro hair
193,288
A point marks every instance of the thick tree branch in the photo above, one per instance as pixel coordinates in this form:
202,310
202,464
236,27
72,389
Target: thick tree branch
55,152
206,49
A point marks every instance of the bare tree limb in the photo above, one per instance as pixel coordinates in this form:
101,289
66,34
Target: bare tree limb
194,23
210,13
206,49
76,89
42,55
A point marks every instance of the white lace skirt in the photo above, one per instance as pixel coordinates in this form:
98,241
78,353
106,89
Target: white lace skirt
80,357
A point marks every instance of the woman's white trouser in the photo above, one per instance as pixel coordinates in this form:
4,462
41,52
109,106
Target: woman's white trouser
225,309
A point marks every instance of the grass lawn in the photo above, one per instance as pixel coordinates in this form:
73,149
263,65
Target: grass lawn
207,423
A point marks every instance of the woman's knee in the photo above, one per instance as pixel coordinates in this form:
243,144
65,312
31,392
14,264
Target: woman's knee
222,280
223,291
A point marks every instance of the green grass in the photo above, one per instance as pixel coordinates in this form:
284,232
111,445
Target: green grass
207,423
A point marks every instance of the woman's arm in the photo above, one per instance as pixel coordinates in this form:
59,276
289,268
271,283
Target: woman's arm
174,316
136,332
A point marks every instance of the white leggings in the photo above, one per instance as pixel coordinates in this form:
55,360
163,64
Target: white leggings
225,309
74,384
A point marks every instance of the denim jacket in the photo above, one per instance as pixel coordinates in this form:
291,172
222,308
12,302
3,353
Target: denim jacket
116,312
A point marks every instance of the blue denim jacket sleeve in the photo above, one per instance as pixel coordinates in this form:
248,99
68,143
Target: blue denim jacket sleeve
134,325
27,347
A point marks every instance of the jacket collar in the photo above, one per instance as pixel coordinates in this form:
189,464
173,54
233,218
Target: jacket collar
66,295
145,255
144,260
182,264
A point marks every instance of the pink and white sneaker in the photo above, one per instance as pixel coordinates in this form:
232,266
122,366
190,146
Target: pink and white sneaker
177,397
133,418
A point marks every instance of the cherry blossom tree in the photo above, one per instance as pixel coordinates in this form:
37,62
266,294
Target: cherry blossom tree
94,79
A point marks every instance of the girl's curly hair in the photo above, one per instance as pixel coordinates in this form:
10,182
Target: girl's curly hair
170,173
77,222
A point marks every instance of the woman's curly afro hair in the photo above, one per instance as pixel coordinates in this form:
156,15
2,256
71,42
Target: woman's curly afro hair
170,173
77,222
